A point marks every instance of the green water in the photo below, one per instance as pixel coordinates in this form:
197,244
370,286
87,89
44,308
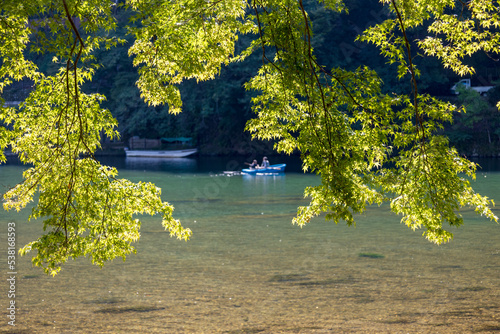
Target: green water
247,269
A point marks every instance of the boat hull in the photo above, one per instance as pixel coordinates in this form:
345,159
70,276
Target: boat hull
273,169
161,154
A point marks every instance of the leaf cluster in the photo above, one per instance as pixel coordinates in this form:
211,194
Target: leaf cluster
368,144
86,209
368,147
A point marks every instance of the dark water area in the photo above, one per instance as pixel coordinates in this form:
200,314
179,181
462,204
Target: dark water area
219,164
195,164
487,164
198,164
206,164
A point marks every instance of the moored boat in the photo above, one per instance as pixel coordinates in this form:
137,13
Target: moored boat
161,154
273,169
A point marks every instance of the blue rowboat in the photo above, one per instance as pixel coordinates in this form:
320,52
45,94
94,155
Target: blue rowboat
273,169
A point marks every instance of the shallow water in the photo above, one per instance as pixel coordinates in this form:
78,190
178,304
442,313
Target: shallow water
248,270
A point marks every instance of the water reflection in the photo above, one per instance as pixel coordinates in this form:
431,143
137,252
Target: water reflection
263,179
174,165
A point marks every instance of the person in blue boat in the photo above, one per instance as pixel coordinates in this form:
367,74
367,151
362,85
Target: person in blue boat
265,163
254,164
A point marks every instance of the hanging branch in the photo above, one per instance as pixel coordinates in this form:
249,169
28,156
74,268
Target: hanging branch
411,68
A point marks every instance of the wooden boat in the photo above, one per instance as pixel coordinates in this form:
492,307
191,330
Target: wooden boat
161,154
273,169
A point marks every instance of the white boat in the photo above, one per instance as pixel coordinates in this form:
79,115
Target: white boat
161,154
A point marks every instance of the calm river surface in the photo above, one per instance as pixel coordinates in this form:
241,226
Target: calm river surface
247,269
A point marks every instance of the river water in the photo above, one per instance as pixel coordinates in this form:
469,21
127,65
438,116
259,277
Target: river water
247,269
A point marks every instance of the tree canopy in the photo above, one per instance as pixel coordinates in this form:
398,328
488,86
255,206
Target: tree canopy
368,144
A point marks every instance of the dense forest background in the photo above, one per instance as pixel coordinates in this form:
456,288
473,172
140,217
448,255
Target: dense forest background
215,112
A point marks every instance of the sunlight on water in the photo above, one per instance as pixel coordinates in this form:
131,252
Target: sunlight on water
247,269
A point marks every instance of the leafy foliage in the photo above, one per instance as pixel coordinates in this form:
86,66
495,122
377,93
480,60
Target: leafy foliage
173,44
369,143
367,146
87,210
475,28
